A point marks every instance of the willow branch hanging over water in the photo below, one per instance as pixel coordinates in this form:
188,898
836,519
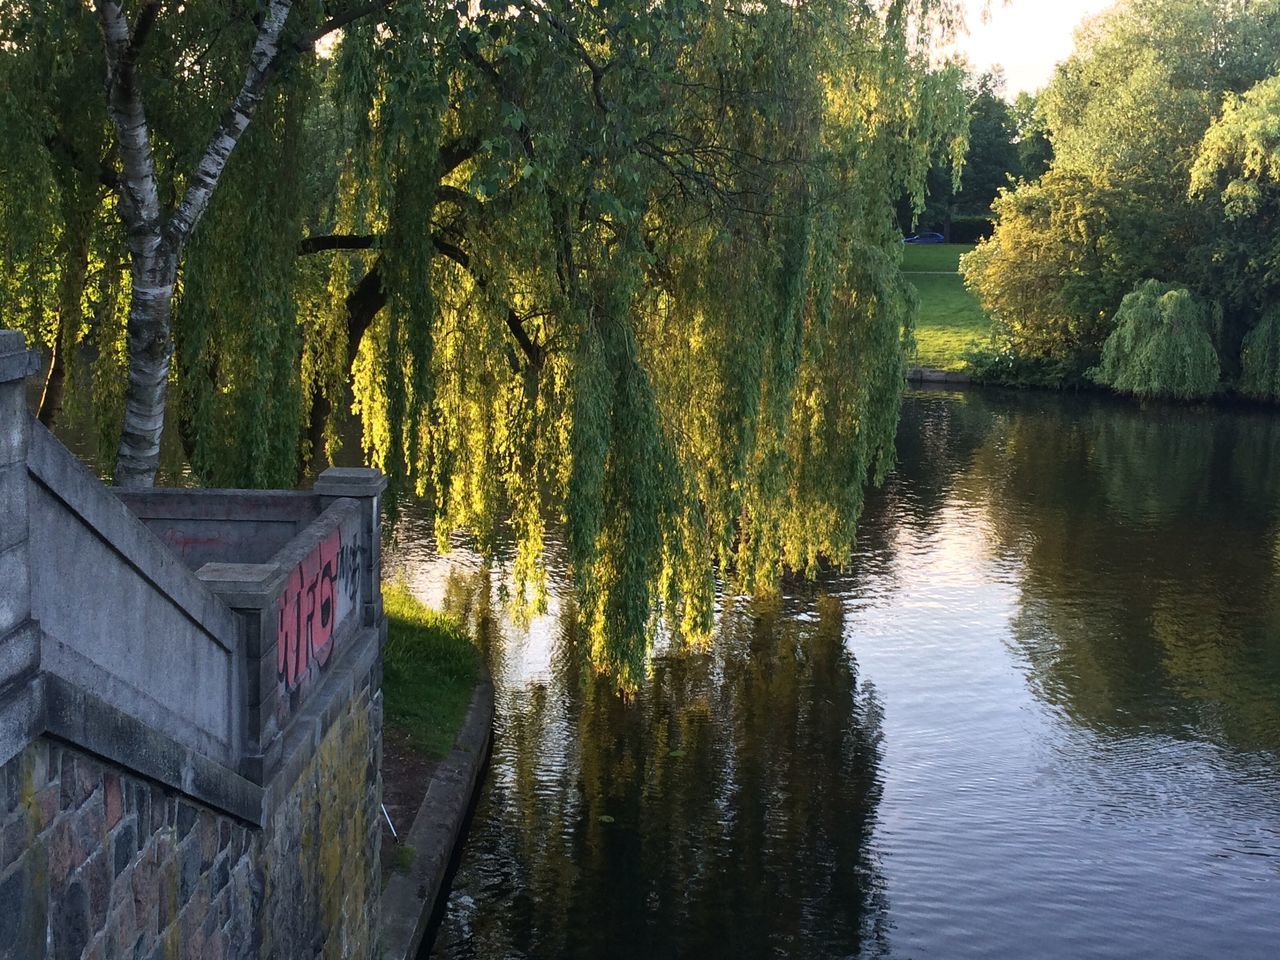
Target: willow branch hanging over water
630,268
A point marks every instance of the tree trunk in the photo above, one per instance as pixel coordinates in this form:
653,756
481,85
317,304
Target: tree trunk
54,382
156,241
362,305
75,272
150,345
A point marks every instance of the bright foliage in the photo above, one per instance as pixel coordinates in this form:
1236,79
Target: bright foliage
1160,170
633,267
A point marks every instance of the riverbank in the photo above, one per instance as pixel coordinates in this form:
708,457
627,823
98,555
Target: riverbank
439,716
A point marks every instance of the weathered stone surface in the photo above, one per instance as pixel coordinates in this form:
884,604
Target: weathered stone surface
125,868
123,846
70,927
112,799
162,792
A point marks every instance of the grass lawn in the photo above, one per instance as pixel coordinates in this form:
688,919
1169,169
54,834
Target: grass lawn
933,256
950,319
430,668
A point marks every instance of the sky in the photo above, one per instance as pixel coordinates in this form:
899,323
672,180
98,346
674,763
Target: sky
1026,37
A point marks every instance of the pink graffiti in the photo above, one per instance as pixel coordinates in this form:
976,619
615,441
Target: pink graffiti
180,542
308,613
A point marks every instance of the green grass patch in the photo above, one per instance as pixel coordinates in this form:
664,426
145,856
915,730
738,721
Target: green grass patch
932,257
950,322
430,668
402,859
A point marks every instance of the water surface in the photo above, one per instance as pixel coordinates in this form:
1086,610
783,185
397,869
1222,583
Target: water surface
1038,716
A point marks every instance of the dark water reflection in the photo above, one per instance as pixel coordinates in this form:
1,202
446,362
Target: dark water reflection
1039,717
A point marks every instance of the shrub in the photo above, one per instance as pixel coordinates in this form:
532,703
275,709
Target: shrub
1162,344
1260,358
1005,367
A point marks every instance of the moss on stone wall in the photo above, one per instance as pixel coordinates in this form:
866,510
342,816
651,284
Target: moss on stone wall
103,863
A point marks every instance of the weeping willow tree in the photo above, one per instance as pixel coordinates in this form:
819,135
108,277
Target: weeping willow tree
630,268
1162,345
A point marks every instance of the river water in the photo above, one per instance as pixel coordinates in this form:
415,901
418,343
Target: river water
1037,717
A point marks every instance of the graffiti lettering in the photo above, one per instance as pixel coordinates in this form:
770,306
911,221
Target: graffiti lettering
349,570
309,611
180,542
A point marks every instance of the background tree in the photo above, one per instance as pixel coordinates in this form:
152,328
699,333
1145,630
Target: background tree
1035,152
990,160
1162,344
1238,166
1128,115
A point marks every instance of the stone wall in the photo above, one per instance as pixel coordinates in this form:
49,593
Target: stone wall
96,862
190,738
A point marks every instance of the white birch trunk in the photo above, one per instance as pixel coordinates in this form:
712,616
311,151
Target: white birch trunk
156,244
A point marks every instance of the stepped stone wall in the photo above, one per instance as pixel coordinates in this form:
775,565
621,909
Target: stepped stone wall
190,711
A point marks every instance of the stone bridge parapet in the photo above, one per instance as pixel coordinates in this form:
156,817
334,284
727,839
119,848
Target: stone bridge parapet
190,709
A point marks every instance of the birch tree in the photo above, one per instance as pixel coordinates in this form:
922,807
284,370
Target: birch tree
156,233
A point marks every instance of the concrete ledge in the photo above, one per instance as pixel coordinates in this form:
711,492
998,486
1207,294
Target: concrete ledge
411,898
91,724
68,664
16,361
929,375
19,654
22,718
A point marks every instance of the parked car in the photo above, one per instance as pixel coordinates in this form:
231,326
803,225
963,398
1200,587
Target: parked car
925,238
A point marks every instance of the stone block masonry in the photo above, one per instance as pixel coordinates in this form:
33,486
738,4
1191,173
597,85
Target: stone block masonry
190,712
99,863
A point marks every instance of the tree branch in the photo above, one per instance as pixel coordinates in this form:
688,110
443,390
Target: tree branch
455,153
534,352
205,179
336,241
138,192
99,170
455,195
515,323
309,39
456,254
142,29
596,69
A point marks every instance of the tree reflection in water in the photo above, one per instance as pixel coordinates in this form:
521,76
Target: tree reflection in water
726,811
1147,538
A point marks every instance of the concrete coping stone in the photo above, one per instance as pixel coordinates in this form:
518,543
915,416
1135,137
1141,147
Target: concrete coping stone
350,482
179,503
930,375
257,584
16,361
79,717
297,549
